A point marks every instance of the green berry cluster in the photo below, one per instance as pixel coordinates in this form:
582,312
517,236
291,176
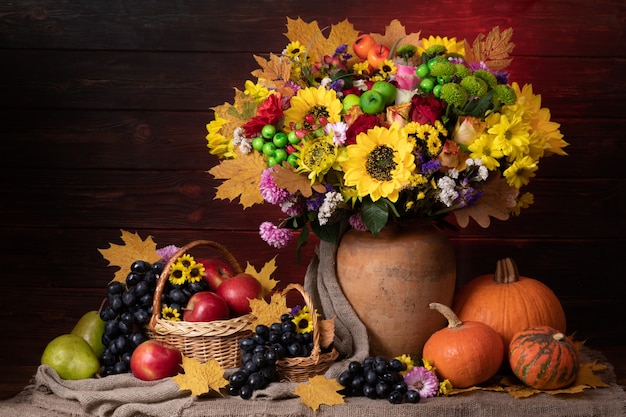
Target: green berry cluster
277,146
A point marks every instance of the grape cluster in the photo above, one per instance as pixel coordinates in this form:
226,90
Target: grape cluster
377,378
129,308
176,296
261,351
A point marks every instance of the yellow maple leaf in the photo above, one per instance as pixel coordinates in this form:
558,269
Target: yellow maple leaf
243,108
286,177
498,197
264,276
201,378
268,313
133,249
396,32
493,49
319,390
274,73
241,175
312,37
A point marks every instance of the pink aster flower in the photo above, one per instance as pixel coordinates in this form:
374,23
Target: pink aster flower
270,191
167,252
423,381
275,236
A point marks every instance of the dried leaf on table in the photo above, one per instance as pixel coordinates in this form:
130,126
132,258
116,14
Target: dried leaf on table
395,31
286,177
498,197
201,378
133,249
264,276
313,38
493,49
326,329
241,175
268,313
319,390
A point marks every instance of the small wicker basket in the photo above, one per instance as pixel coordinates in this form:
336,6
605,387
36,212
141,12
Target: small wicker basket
300,369
217,339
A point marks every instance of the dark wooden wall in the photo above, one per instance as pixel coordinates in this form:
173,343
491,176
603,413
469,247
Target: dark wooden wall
103,106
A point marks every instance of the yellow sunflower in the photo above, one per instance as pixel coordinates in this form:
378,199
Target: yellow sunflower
380,164
451,45
318,156
317,101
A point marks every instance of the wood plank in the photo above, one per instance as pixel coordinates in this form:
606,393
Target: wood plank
589,28
138,140
153,81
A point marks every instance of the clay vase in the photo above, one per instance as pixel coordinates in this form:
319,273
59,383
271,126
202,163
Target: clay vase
390,280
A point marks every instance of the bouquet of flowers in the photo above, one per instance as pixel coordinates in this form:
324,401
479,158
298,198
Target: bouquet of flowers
365,128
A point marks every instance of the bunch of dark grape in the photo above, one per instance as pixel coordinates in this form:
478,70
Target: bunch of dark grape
176,296
377,378
128,310
261,351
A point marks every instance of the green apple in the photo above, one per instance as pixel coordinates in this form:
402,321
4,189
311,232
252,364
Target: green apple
91,328
372,102
387,90
71,356
349,101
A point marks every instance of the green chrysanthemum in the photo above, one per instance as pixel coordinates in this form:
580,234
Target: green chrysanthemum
474,86
505,94
486,76
454,94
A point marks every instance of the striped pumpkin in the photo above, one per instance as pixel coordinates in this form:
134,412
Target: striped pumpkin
543,358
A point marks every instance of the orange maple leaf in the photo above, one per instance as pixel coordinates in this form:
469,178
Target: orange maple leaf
133,249
396,32
268,313
274,73
236,114
264,276
286,177
493,49
201,378
312,37
242,175
319,390
498,197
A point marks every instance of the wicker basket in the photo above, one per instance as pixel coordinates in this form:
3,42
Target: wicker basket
300,369
217,339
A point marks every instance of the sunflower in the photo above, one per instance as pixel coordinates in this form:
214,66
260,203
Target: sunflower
168,313
196,272
318,156
178,274
380,164
303,321
316,101
451,45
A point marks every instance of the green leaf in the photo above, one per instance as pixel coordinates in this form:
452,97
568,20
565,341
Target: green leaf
329,232
375,214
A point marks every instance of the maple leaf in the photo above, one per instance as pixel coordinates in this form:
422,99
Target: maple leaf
310,35
326,329
493,49
201,378
241,175
496,200
286,177
133,249
236,114
319,390
268,313
264,276
274,73
396,32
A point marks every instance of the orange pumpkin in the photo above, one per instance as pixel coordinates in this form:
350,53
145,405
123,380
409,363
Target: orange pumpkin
508,302
465,353
543,358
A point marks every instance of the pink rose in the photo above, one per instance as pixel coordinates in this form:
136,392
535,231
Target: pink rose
406,77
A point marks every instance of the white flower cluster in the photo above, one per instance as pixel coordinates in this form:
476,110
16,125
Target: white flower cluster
331,201
448,192
483,172
245,144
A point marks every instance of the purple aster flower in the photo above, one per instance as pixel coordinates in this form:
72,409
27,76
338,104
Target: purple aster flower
502,77
423,381
431,166
314,203
167,252
270,191
341,49
275,236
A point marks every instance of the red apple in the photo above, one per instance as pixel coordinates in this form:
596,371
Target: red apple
362,45
206,306
377,55
216,271
238,291
153,360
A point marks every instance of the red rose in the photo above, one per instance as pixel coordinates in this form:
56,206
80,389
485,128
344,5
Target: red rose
269,113
426,109
363,123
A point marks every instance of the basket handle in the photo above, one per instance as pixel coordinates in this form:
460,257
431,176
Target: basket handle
315,352
158,291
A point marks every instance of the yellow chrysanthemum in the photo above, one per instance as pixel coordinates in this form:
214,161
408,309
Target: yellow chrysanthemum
445,387
451,45
523,202
428,364
256,91
511,135
484,149
380,164
361,68
520,172
313,100
408,361
217,143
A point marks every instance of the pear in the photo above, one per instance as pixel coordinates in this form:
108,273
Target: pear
71,356
91,328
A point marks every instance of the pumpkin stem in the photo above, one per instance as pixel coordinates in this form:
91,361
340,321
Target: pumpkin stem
506,271
453,320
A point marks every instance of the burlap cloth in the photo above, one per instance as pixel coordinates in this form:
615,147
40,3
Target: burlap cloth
125,396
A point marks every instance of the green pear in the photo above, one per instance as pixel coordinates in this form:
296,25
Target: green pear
91,328
71,356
